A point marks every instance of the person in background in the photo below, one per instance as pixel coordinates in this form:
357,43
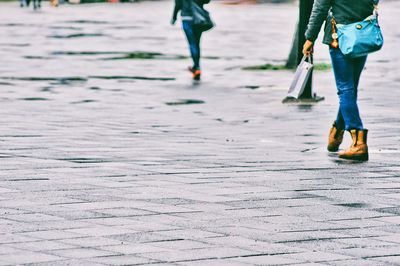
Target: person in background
347,72
193,33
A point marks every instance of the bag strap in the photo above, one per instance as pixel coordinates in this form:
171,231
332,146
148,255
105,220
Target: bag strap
309,58
376,7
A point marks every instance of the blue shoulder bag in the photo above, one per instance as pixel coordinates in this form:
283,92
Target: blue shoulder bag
360,38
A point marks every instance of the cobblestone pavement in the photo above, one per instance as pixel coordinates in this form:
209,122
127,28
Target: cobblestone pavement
107,159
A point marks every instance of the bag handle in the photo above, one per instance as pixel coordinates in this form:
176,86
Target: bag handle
376,7
309,57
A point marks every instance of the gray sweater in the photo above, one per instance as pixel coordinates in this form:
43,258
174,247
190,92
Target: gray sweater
344,11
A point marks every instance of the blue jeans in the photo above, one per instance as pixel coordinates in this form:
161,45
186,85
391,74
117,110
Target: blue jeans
193,36
347,74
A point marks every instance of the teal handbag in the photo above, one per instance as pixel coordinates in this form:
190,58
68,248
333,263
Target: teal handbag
360,38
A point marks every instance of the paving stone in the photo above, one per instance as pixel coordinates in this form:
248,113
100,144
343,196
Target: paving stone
181,245
100,231
88,242
39,245
395,260
51,235
122,260
29,257
198,254
104,161
81,253
220,262
267,260
133,248
67,262
318,257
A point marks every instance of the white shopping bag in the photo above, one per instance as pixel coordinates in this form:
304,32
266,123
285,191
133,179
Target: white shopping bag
301,76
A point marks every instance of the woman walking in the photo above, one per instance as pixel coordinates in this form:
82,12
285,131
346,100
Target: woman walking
193,32
347,70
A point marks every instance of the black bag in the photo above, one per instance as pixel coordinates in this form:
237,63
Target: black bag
201,18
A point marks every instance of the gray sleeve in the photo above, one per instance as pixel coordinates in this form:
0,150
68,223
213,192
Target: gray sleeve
318,15
177,8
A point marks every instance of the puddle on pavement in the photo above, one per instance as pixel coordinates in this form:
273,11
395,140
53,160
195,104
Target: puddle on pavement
84,160
75,35
147,56
84,101
136,55
61,79
13,25
353,205
133,78
65,28
84,21
21,136
46,89
392,210
7,84
28,179
280,67
37,57
34,99
126,27
52,81
310,149
309,135
186,102
83,53
15,44
250,87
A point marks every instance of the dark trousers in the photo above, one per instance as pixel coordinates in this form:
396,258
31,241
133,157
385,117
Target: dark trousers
193,36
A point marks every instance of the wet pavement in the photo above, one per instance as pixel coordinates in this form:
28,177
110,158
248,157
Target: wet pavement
111,155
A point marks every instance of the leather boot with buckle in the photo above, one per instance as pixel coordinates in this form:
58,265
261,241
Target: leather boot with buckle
335,138
359,148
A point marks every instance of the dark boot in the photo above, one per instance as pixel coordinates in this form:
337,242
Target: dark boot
335,138
359,148
197,74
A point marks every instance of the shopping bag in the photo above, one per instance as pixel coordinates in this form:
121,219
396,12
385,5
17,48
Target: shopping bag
301,76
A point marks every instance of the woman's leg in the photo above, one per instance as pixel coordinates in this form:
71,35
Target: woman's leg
193,42
345,70
198,32
340,124
359,64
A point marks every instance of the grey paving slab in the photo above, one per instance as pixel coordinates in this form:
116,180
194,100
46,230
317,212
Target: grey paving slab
29,257
81,253
103,163
38,246
268,260
222,262
123,260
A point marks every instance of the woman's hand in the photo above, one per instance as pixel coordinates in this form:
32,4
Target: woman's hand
308,48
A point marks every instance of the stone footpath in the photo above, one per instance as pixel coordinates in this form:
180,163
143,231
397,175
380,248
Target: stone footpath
113,157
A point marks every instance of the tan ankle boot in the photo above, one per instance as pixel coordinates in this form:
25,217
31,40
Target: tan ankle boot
359,148
335,138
